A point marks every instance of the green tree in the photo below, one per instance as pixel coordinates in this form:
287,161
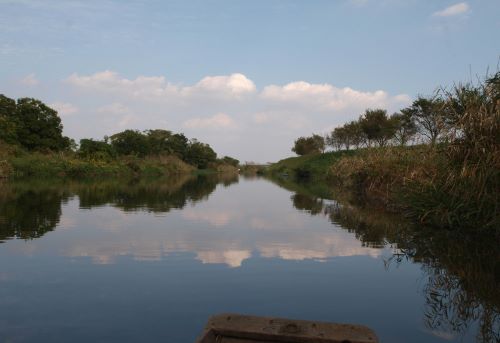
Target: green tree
7,126
334,139
405,126
355,134
231,161
159,141
90,148
179,144
200,154
428,114
377,126
309,145
38,126
130,142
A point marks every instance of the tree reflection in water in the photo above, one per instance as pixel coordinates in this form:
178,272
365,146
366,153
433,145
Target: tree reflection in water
462,269
29,210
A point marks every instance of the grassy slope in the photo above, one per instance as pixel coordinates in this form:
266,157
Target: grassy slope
313,166
419,181
15,162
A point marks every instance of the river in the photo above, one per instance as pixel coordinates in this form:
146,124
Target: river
150,261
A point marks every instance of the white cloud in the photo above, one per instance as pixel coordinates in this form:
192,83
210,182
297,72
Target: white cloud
326,97
114,108
64,108
218,121
235,84
29,80
110,82
453,10
157,87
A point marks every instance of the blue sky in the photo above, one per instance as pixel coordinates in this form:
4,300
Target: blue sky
245,76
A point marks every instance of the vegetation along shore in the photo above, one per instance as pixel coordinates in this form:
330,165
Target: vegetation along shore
32,145
436,161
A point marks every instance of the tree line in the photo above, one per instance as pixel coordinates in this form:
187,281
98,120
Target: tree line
431,120
34,126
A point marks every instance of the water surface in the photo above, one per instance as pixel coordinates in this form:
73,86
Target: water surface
150,261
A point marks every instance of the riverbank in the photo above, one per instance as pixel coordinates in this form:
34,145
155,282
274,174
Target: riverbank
17,163
421,182
313,167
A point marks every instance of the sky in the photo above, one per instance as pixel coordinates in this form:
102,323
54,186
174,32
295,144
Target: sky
246,77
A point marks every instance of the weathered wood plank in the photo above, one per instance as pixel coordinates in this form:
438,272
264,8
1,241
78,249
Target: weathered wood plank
233,328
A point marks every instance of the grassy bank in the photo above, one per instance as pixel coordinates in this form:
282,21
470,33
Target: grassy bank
426,185
422,182
17,163
311,167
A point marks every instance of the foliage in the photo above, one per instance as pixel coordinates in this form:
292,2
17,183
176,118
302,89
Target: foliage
230,161
351,134
309,145
130,142
405,126
31,124
90,148
71,165
164,142
35,127
200,154
8,129
429,116
377,126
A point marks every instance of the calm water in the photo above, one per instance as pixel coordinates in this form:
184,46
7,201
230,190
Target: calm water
138,261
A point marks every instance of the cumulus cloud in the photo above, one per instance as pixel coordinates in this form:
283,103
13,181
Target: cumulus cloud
64,108
326,97
218,121
29,80
157,87
453,10
235,84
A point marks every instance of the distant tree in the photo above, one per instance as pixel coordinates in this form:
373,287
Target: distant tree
348,135
130,142
342,137
8,132
334,139
90,148
159,141
309,145
355,134
231,161
319,142
377,126
179,144
38,126
429,116
200,154
405,126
